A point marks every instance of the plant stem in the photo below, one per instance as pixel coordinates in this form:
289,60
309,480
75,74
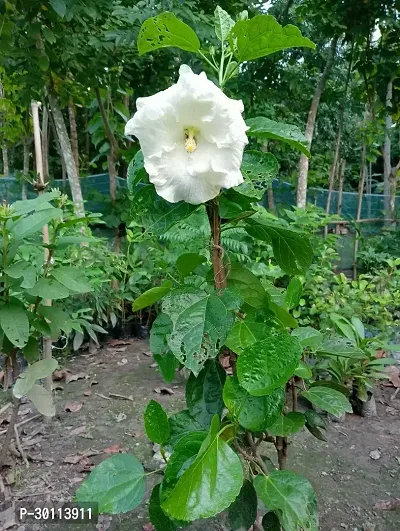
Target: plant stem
281,448
294,395
208,61
217,250
14,413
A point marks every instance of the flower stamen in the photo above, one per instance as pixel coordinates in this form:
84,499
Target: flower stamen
190,139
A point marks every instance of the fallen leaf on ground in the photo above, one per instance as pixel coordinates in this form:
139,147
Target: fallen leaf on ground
73,407
120,417
94,382
387,505
148,527
147,353
375,454
75,480
121,349
119,342
113,449
394,375
73,459
79,376
164,391
124,361
88,392
78,430
85,465
392,410
60,374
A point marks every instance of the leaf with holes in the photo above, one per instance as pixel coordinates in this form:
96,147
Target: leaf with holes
151,296
117,485
328,399
204,393
166,30
262,35
292,250
291,496
268,364
166,361
223,24
201,321
266,129
259,170
156,423
254,413
288,424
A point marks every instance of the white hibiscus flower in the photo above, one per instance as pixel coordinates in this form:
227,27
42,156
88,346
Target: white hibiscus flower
192,138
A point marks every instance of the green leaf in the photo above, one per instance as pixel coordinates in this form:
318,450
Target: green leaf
314,419
117,485
38,370
303,371
308,336
59,7
71,278
43,62
48,35
292,250
41,201
15,323
188,262
156,214
344,326
288,424
342,348
185,452
209,485
156,423
29,225
31,350
65,241
292,496
259,170
243,512
151,296
270,522
358,325
204,393
42,400
48,288
181,425
282,317
293,293
266,129
166,30
157,516
245,333
268,364
328,399
254,413
200,323
136,171
263,35
223,24
167,363
57,317
248,286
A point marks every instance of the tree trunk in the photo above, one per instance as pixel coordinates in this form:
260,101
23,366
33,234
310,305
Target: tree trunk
6,168
312,115
74,134
67,155
25,169
45,143
340,191
271,202
58,148
87,136
393,190
387,166
285,12
361,183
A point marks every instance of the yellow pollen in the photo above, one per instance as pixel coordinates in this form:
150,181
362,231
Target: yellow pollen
190,140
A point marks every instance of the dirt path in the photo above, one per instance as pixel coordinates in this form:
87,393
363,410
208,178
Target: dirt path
347,480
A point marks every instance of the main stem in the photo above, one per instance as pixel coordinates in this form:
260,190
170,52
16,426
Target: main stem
217,252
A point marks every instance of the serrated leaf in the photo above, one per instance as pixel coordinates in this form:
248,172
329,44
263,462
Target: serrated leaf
288,424
254,413
243,511
201,322
268,364
223,24
204,393
328,399
292,496
188,262
42,400
166,30
308,336
151,296
245,333
49,288
292,250
156,423
117,485
71,278
262,35
15,323
266,129
166,361
247,285
209,485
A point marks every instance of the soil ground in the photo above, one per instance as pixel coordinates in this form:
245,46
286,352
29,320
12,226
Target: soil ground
347,480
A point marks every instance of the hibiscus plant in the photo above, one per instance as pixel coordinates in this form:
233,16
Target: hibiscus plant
240,341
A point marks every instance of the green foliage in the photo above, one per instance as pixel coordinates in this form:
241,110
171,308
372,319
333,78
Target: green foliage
151,296
287,424
243,511
264,128
329,400
156,423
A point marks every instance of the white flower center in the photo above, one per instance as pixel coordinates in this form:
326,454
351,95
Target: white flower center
190,139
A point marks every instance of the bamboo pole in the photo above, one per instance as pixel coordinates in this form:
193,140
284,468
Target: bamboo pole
47,352
359,205
340,191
